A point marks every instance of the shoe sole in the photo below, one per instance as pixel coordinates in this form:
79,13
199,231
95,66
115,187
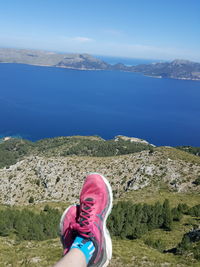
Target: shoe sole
106,234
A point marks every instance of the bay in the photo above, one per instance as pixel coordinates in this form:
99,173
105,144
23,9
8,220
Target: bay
39,102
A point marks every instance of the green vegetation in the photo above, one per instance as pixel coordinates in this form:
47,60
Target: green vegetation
190,244
140,233
15,149
127,220
31,200
152,194
146,228
197,181
190,149
105,148
28,225
175,153
194,211
12,150
140,221
131,221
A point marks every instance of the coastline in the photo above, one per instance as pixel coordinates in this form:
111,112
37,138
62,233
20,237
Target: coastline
51,66
89,69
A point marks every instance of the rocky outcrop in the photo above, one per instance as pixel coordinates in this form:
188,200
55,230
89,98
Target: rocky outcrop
60,178
177,69
131,139
82,62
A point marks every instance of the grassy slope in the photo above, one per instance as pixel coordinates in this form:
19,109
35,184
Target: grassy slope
150,195
176,154
125,252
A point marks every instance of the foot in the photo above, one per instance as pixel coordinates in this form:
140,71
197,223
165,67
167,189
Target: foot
95,206
67,234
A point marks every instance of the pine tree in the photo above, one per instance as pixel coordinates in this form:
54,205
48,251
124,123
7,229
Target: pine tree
167,216
176,214
184,245
159,214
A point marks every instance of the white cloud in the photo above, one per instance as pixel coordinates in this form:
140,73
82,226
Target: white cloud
148,51
81,39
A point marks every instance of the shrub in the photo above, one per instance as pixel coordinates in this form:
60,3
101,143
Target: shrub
197,181
190,244
183,208
157,244
195,211
31,200
184,245
176,214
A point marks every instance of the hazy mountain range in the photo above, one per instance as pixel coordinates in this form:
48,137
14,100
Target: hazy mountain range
177,69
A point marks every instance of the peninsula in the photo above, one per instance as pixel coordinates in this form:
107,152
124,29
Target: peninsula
177,69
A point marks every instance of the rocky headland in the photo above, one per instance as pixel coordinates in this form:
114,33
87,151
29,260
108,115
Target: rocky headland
177,69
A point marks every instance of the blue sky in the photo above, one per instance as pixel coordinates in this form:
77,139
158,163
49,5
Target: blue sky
152,29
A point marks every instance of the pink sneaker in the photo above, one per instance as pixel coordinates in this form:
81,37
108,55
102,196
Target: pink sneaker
67,234
95,206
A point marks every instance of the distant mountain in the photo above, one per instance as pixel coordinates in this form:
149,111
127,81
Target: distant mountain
32,57
120,66
82,61
44,58
177,69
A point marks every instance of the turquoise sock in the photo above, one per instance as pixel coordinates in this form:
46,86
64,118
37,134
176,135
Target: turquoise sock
85,245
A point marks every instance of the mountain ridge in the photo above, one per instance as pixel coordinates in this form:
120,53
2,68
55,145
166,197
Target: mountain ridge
177,69
53,169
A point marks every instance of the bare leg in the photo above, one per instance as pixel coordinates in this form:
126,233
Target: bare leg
74,258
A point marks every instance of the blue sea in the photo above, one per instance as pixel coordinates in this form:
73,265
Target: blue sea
38,102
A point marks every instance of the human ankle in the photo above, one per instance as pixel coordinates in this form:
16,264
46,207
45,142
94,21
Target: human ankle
85,245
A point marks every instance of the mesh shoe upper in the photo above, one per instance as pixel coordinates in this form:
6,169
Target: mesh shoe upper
95,205
67,233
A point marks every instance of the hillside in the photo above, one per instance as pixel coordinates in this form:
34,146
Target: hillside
60,178
14,149
51,171
45,58
177,69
